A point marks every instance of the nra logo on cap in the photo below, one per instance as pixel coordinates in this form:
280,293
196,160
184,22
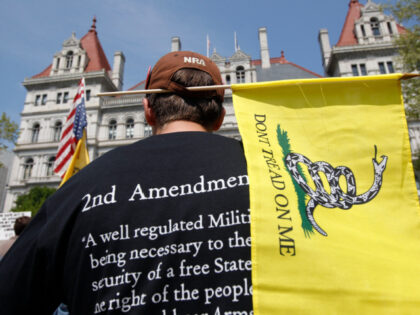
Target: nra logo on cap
194,60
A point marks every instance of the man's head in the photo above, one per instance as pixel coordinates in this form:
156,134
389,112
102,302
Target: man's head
20,224
174,72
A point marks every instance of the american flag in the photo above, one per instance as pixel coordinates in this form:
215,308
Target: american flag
72,131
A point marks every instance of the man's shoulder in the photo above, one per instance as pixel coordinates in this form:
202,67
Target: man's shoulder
159,151
169,141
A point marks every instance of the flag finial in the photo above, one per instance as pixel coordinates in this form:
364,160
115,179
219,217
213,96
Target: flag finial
93,27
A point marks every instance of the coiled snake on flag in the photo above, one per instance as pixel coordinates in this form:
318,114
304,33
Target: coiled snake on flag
337,198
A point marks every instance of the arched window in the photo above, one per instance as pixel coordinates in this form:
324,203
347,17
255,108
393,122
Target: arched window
129,128
50,166
35,133
374,25
112,129
27,168
57,130
228,79
147,129
69,59
240,74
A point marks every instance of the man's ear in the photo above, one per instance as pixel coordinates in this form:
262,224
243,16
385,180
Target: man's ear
218,123
148,113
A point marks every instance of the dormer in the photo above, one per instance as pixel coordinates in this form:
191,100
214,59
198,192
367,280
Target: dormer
374,26
240,57
71,59
240,65
217,59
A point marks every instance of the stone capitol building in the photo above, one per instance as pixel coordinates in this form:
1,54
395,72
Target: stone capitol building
365,47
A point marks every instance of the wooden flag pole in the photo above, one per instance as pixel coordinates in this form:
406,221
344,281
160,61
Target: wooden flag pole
154,91
226,86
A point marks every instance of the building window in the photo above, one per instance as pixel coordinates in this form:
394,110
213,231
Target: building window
57,65
390,67
27,168
112,130
87,95
44,99
69,59
389,28
362,28
65,97
57,130
240,74
363,69
147,129
59,96
228,79
382,69
129,128
35,133
374,25
78,61
37,100
354,70
50,166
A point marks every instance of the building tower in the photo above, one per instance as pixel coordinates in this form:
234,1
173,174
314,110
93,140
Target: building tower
48,100
366,45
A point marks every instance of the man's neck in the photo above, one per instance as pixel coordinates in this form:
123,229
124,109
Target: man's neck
180,126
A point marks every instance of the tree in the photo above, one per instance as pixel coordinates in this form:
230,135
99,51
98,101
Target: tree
33,200
8,131
409,49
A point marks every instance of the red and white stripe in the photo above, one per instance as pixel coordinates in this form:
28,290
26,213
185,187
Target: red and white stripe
68,139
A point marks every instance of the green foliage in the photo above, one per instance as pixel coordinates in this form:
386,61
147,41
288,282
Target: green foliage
416,161
409,49
8,131
33,200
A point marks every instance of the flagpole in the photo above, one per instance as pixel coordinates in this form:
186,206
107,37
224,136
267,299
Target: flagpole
208,46
270,83
72,152
156,91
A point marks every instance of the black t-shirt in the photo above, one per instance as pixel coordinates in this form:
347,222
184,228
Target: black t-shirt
157,227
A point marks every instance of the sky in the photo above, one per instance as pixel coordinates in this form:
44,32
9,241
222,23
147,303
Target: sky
31,32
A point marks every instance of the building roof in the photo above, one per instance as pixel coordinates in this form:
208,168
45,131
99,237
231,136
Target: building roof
348,34
282,69
44,73
96,56
139,86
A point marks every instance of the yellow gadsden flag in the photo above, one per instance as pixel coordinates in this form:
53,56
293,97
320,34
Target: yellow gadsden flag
335,217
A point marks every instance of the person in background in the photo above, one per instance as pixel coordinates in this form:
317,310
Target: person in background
19,226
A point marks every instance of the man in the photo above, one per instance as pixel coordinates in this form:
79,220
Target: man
157,227
18,227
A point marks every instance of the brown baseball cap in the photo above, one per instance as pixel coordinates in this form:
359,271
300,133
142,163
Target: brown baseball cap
161,75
